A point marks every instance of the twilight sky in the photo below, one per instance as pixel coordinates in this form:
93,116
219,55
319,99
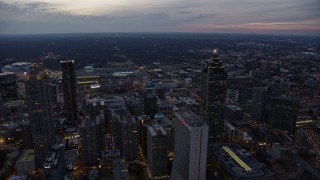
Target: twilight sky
228,16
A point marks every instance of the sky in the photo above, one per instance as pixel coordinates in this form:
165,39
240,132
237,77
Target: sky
295,17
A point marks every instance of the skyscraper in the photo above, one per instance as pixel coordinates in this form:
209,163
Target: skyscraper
69,91
158,152
213,94
283,113
259,104
40,112
191,142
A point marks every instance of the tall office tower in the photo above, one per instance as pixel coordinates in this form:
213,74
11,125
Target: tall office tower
125,133
9,87
158,152
259,104
191,144
167,125
69,91
143,122
150,105
283,113
89,138
213,95
96,109
39,104
129,137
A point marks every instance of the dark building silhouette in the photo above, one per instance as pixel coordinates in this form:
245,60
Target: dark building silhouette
150,105
90,138
158,151
283,113
39,104
213,95
54,166
259,104
25,136
8,84
69,91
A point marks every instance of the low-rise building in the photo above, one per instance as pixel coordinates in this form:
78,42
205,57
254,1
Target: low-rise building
26,162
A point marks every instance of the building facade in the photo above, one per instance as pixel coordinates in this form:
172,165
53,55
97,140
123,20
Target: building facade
259,104
213,95
150,105
69,91
89,134
191,142
158,152
39,104
283,113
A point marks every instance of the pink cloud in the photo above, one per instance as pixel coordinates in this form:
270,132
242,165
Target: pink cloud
263,27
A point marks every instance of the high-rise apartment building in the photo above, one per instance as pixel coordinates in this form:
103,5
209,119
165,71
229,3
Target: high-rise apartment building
69,91
283,113
39,104
213,95
191,143
259,104
158,152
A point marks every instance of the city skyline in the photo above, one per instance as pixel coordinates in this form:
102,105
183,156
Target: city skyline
266,17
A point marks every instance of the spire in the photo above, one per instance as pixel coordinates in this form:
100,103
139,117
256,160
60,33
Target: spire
215,60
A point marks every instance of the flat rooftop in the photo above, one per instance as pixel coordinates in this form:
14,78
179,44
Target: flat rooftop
111,153
238,162
116,103
189,117
156,130
27,155
51,159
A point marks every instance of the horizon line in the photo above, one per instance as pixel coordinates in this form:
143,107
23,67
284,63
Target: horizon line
199,32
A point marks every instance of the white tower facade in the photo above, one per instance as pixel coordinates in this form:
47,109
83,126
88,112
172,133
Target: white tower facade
191,143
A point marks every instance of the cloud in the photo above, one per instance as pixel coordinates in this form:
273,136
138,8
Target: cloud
184,12
165,15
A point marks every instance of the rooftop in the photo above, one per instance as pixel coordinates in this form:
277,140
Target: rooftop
51,159
238,162
67,61
156,130
27,155
111,153
235,108
189,117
